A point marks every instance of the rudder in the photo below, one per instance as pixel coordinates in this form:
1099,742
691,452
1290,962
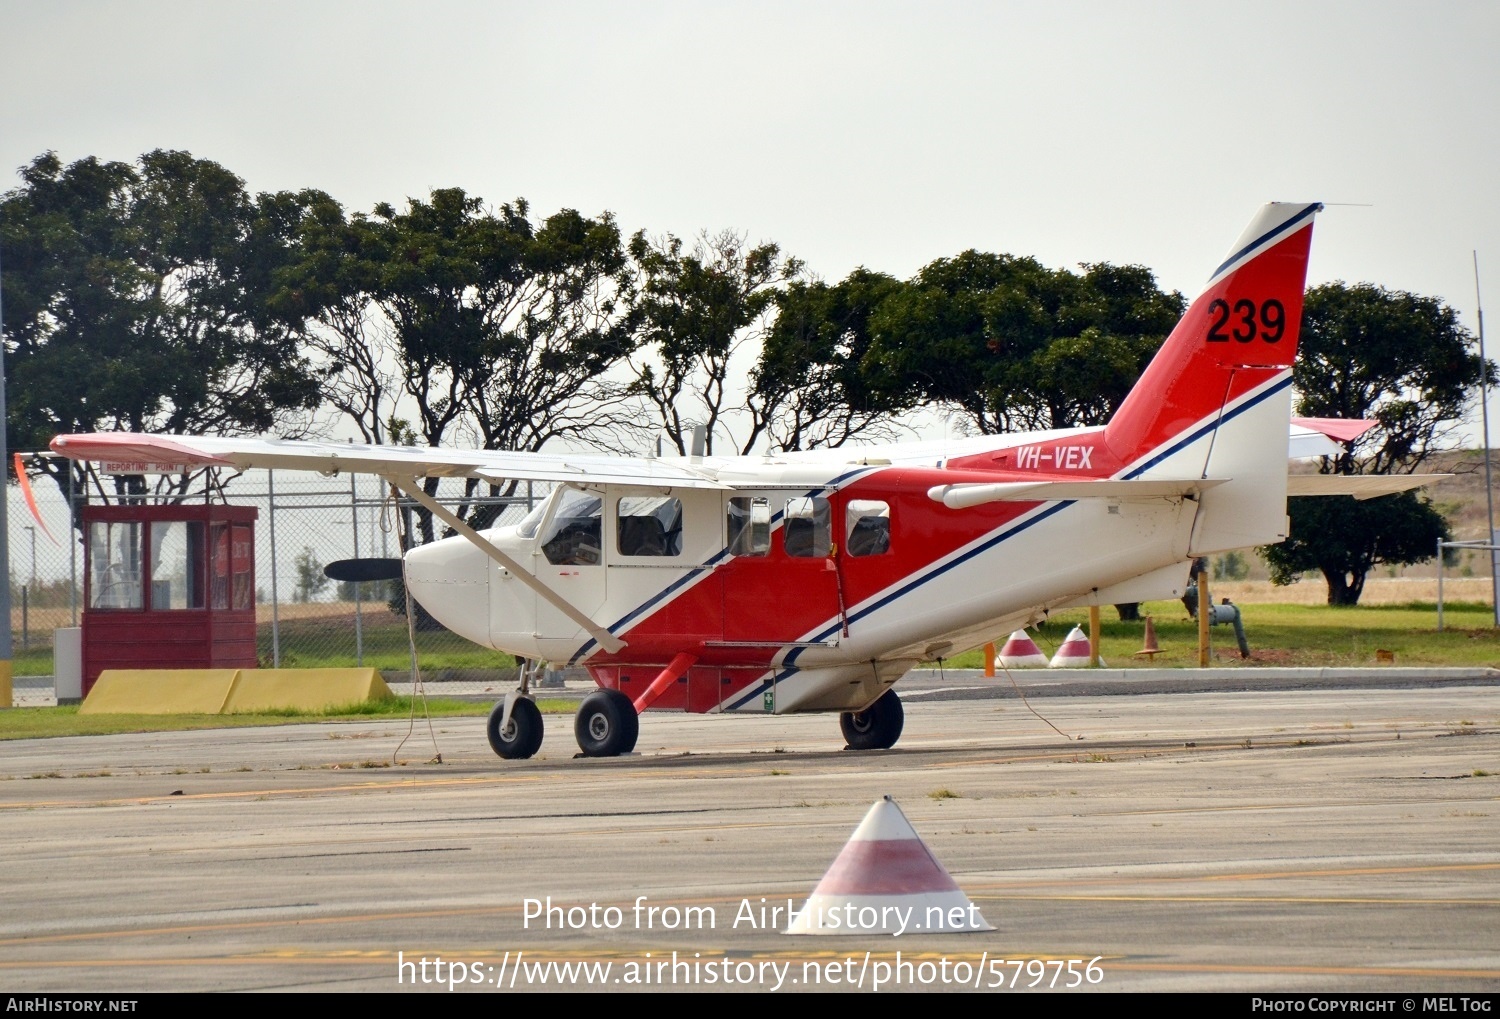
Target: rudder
1215,401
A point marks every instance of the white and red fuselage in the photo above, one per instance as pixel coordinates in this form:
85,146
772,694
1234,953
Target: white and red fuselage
831,624
814,581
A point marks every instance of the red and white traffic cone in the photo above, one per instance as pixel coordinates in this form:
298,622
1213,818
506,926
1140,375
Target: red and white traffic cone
886,881
1021,652
1074,652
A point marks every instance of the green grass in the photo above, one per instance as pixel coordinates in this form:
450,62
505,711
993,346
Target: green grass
1294,635
32,723
34,661
317,643
327,643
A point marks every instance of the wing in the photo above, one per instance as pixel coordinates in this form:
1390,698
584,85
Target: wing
136,453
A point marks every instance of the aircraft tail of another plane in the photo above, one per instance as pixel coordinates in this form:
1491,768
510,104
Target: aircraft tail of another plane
1215,401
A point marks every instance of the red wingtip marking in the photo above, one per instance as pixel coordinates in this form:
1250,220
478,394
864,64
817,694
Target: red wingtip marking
132,446
1342,429
27,494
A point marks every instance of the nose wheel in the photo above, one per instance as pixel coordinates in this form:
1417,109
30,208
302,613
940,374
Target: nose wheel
520,736
607,724
878,727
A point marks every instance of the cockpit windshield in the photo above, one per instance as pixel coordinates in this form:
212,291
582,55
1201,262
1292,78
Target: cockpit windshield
572,535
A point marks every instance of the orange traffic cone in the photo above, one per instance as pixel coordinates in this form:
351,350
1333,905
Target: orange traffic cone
1151,649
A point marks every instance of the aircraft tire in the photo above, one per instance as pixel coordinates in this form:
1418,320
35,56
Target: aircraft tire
523,736
607,724
878,727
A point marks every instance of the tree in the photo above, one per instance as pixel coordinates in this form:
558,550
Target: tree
488,329
1231,566
1344,539
696,312
311,580
1013,345
935,340
809,389
366,591
1404,361
135,299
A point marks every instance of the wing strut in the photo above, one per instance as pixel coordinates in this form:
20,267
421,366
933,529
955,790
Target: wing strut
602,637
674,671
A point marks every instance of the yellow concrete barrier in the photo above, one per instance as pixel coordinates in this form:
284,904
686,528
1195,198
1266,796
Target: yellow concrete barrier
221,691
159,692
307,689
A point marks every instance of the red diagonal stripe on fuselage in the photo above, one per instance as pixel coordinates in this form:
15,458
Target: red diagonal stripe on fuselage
783,599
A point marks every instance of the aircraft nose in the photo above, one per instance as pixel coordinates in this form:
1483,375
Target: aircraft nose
451,580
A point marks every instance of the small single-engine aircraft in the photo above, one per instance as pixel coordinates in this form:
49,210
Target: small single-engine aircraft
814,581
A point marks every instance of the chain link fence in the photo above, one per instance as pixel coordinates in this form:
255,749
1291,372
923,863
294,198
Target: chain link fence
304,618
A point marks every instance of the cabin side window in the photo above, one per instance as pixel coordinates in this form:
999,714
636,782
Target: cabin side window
867,527
749,520
573,535
649,525
806,528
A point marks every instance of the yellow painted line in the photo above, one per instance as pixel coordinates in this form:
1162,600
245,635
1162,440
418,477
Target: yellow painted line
244,925
242,794
1308,805
1436,868
392,785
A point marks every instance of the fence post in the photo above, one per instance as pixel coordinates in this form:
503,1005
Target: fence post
1440,584
275,598
359,619
75,536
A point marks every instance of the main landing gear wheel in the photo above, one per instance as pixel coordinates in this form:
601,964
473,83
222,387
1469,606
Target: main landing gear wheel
878,727
607,724
522,735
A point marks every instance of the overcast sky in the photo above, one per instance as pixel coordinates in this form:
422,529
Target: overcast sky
876,134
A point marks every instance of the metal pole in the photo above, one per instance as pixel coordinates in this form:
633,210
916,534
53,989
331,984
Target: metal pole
359,619
1205,607
275,598
1440,585
72,548
26,593
1484,417
6,647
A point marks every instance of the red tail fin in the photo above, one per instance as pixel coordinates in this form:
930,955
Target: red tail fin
1234,340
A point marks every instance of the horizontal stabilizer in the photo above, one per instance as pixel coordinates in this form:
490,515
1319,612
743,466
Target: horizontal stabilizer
963,496
1361,486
